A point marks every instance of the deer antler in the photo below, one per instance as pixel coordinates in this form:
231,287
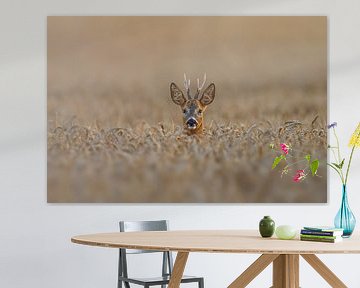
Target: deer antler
187,86
199,87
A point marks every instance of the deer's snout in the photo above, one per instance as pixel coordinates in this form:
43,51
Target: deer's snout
191,123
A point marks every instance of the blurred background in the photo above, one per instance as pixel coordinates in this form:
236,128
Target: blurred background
112,126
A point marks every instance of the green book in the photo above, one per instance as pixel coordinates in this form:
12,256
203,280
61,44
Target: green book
323,228
337,239
321,233
319,236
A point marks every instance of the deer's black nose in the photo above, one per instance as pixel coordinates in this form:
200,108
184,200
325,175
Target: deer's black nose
191,122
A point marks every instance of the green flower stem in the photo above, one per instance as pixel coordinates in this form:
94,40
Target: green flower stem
348,167
333,151
337,171
339,161
292,164
338,146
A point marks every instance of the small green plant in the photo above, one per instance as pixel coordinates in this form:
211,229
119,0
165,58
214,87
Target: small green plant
306,161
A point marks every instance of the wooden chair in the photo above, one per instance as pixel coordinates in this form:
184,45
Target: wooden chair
167,262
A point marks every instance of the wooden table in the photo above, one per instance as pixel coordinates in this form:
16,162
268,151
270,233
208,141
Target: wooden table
284,254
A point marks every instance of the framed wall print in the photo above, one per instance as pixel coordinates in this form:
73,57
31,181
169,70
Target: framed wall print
187,109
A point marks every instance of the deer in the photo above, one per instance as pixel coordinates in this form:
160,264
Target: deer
193,108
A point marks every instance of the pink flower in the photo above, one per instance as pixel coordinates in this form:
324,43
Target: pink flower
299,176
284,148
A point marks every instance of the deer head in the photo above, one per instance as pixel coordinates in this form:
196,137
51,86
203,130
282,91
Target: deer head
193,108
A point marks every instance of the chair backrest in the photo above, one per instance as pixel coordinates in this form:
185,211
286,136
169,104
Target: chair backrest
137,226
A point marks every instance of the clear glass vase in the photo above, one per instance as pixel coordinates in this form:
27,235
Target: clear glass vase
345,219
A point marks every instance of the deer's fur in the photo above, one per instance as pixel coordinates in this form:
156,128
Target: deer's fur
193,108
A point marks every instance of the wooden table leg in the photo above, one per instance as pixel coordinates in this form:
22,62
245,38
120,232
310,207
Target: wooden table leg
178,269
293,261
324,271
286,271
253,270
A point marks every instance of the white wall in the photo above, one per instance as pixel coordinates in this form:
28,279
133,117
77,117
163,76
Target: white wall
35,248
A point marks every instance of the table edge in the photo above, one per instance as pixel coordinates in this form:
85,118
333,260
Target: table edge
203,250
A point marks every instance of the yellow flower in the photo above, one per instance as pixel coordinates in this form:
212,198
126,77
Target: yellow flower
355,138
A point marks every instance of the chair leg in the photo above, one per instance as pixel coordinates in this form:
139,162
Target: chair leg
201,283
119,270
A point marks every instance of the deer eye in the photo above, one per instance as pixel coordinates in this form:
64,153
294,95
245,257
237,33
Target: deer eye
184,111
200,111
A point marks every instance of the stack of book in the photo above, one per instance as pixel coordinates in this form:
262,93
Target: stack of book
321,234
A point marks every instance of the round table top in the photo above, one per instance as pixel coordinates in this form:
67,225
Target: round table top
219,241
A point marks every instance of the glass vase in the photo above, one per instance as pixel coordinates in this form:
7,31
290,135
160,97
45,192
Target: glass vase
345,219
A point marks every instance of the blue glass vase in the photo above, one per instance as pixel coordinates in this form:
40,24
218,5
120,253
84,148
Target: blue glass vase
345,219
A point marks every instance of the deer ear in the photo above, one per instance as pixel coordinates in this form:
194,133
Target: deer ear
208,95
177,95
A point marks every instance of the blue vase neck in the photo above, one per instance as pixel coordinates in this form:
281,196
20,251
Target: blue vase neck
344,192
344,197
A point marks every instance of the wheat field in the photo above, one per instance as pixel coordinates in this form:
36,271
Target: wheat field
115,136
